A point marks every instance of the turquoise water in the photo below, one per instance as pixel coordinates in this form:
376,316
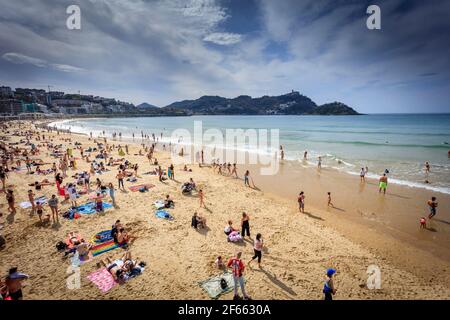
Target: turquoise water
399,143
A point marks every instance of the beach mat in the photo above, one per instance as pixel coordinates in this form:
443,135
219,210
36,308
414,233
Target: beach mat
213,288
102,279
140,186
104,247
27,204
163,214
89,208
102,236
159,204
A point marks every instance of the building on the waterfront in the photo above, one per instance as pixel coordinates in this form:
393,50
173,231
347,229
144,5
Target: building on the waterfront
10,106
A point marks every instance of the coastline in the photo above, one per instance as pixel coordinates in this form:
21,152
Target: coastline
299,247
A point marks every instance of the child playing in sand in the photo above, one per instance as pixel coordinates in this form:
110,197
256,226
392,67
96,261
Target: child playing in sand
432,204
423,223
219,263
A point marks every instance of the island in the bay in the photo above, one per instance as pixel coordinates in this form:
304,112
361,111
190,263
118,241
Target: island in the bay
21,100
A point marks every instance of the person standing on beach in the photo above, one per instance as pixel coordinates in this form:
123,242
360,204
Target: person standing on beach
201,196
383,183
31,196
257,248
362,175
237,267
112,194
305,155
11,200
328,288
53,204
432,204
234,170
160,174
245,224
120,177
319,163
427,167
246,178
301,202
3,176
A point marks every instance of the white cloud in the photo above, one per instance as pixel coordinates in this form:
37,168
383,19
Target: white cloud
18,58
223,38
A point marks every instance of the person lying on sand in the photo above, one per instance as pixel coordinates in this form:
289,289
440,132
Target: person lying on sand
123,268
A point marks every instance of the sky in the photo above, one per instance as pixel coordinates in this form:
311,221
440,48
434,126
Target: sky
170,50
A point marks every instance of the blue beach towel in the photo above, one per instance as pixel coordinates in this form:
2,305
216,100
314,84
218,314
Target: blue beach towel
89,208
162,214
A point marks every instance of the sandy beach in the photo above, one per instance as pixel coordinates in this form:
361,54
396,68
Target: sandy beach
365,228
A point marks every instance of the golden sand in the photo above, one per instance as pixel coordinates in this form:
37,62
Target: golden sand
366,229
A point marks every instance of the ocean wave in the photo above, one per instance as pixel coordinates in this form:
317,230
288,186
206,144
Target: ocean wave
292,132
365,143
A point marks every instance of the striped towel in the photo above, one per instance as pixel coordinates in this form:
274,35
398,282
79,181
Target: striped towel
104,247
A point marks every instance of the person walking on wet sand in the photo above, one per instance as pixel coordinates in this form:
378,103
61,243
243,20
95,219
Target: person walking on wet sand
383,183
301,202
432,204
362,175
427,167
330,204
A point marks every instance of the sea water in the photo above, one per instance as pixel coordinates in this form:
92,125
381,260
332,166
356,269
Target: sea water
401,143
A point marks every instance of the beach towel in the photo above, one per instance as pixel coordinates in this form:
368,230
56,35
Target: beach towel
90,207
140,186
162,214
213,288
105,247
27,204
159,204
102,279
102,236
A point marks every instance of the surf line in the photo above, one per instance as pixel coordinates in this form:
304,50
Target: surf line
188,310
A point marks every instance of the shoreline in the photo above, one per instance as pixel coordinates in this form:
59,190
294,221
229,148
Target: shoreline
299,246
397,181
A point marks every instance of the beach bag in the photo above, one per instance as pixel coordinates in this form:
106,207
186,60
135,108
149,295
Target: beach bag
223,283
60,246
